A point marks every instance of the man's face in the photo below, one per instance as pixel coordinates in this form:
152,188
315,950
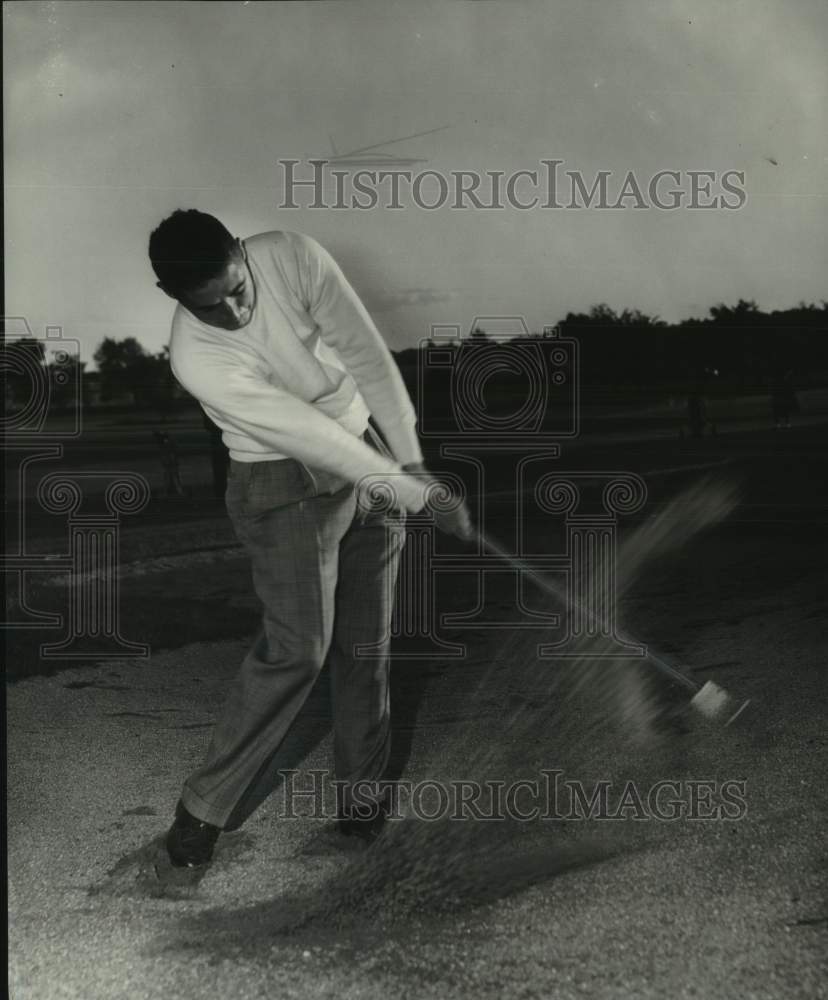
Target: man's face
228,300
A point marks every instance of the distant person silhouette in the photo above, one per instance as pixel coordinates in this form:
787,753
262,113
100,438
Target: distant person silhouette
784,400
697,413
169,462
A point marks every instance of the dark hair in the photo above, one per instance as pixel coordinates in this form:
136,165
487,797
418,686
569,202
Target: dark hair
188,249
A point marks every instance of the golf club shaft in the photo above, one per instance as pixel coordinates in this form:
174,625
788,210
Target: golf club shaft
549,588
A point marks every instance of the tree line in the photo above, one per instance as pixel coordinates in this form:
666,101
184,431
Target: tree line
623,356
631,357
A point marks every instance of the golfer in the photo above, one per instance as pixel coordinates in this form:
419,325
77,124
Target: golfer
281,354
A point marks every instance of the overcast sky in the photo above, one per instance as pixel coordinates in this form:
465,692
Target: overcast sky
117,113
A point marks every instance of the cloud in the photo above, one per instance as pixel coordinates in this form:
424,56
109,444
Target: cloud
405,297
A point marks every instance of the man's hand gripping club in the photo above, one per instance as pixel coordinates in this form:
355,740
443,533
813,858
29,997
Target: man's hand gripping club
450,512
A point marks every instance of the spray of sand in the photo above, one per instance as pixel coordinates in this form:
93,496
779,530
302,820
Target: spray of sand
583,712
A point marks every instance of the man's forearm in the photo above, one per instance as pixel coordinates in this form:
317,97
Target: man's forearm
279,422
346,325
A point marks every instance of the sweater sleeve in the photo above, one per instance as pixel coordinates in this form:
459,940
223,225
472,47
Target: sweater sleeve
345,325
281,422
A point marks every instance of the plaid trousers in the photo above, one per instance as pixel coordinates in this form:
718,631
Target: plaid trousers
325,574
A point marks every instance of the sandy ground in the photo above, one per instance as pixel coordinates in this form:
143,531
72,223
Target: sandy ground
609,908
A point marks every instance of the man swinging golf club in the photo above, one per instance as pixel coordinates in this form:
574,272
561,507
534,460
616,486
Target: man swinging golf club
281,354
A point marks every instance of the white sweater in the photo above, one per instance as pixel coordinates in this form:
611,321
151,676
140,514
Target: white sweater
300,380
